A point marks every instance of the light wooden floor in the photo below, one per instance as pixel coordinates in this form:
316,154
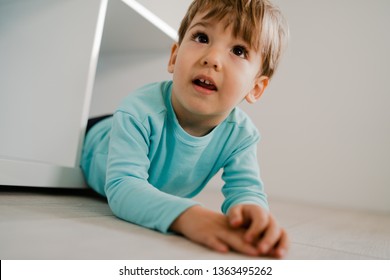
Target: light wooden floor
63,224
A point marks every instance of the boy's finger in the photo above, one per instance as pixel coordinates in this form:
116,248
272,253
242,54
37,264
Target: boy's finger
235,216
217,245
258,223
270,237
235,241
282,246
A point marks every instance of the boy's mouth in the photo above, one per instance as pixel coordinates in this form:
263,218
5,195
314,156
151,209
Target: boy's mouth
204,83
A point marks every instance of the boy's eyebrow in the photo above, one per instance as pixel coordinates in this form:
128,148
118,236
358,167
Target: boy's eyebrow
201,23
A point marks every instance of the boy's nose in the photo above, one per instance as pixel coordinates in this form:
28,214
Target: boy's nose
212,59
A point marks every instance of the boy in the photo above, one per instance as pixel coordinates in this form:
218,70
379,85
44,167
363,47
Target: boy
167,140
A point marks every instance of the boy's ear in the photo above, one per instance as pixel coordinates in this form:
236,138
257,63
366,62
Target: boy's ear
260,85
172,59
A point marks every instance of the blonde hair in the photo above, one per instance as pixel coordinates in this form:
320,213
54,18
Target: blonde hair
258,22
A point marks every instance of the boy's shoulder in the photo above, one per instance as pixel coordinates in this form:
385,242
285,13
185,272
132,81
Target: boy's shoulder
240,122
146,100
240,119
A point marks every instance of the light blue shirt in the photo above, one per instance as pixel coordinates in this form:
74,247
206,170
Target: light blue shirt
148,167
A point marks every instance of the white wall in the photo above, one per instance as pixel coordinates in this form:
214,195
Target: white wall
171,11
324,119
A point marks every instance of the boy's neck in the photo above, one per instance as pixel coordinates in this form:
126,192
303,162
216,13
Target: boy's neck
195,127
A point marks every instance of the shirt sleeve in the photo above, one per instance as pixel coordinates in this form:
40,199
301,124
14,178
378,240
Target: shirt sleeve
130,196
241,175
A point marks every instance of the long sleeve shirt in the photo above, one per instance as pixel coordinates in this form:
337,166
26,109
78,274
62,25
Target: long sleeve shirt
149,168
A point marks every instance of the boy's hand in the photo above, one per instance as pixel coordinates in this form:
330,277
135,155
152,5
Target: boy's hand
247,229
212,230
261,229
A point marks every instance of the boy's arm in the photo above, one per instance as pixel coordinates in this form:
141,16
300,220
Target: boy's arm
241,174
246,203
128,191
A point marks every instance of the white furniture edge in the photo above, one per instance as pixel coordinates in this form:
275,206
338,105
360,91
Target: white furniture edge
20,172
36,174
91,74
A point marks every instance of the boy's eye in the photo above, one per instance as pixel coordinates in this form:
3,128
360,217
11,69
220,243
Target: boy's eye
200,38
240,51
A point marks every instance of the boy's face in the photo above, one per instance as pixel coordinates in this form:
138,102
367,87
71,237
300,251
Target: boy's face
213,72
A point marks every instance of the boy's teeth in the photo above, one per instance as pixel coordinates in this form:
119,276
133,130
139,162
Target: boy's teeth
205,81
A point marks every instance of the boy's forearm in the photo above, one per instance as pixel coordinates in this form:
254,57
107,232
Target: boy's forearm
144,205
